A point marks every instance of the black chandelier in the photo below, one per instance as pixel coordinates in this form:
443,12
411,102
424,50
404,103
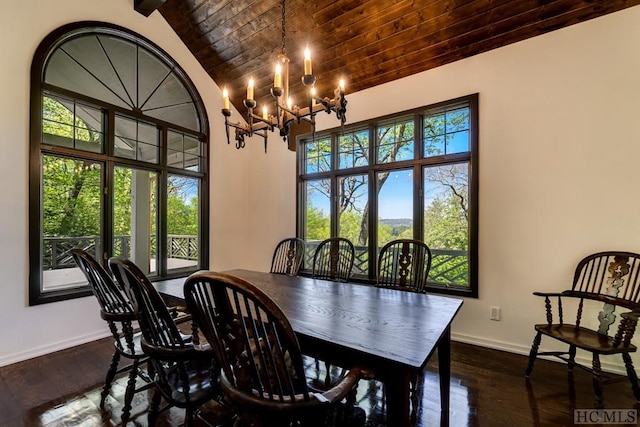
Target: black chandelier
285,112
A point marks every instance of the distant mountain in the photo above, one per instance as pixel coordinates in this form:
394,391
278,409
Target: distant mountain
397,222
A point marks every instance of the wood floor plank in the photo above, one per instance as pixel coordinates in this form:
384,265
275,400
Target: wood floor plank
488,388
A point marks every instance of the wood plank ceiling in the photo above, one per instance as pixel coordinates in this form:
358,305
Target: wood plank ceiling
368,42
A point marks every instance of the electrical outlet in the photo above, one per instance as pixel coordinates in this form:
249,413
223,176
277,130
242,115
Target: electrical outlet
494,313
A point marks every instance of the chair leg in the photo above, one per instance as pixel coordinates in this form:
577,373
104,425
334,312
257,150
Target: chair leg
188,417
128,395
571,363
533,354
597,381
327,377
154,408
631,373
111,374
414,397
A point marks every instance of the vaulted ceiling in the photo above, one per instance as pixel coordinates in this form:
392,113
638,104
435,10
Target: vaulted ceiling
368,42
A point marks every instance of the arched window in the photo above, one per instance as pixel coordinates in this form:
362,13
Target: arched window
118,163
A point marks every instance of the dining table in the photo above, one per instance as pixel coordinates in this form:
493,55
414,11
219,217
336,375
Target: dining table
391,333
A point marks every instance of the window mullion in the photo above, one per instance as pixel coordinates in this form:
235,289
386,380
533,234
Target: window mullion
373,205
418,190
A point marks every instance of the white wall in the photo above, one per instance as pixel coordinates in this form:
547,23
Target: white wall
558,150
31,331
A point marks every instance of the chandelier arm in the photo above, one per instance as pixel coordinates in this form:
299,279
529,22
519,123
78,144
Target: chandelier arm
240,138
226,128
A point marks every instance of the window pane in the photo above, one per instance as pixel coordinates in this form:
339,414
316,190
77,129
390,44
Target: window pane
317,216
135,198
136,140
394,141
353,149
353,217
183,222
183,151
395,205
68,124
192,160
317,155
446,222
71,211
446,131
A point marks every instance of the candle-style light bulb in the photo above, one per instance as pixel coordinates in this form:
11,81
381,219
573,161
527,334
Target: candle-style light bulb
313,95
250,90
265,113
342,85
290,103
277,78
225,98
307,62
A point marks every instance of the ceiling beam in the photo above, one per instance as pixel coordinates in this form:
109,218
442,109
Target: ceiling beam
146,7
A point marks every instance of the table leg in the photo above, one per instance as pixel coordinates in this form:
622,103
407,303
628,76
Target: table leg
444,371
397,392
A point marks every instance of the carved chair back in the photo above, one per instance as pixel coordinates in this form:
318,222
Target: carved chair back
333,259
404,264
287,256
612,278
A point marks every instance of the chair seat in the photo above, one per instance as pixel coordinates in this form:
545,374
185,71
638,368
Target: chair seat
583,338
201,388
134,352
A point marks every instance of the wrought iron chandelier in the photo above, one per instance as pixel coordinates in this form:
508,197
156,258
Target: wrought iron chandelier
286,113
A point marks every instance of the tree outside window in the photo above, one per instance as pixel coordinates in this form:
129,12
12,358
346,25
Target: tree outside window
422,185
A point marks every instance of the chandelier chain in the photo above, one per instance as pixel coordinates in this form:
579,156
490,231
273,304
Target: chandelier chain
284,51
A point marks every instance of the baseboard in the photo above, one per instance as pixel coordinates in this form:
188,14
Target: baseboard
607,366
51,348
467,339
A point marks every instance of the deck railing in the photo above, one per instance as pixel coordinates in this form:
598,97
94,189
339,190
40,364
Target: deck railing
448,267
57,250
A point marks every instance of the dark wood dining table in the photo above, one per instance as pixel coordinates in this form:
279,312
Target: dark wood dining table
389,332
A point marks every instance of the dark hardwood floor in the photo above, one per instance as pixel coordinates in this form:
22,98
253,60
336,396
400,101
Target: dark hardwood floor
488,388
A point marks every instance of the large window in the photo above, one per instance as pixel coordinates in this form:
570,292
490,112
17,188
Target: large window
410,175
118,159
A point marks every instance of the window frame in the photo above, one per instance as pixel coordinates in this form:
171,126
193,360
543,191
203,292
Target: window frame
418,164
107,159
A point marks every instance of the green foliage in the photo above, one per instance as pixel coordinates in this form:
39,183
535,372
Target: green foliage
71,197
318,224
445,225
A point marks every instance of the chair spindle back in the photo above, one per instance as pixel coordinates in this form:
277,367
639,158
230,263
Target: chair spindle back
256,346
404,264
287,256
333,259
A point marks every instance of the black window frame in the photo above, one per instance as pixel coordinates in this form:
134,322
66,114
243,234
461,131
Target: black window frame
417,164
39,88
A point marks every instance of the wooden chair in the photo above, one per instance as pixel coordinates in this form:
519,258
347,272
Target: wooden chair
333,259
263,376
287,256
404,264
610,278
186,374
117,311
